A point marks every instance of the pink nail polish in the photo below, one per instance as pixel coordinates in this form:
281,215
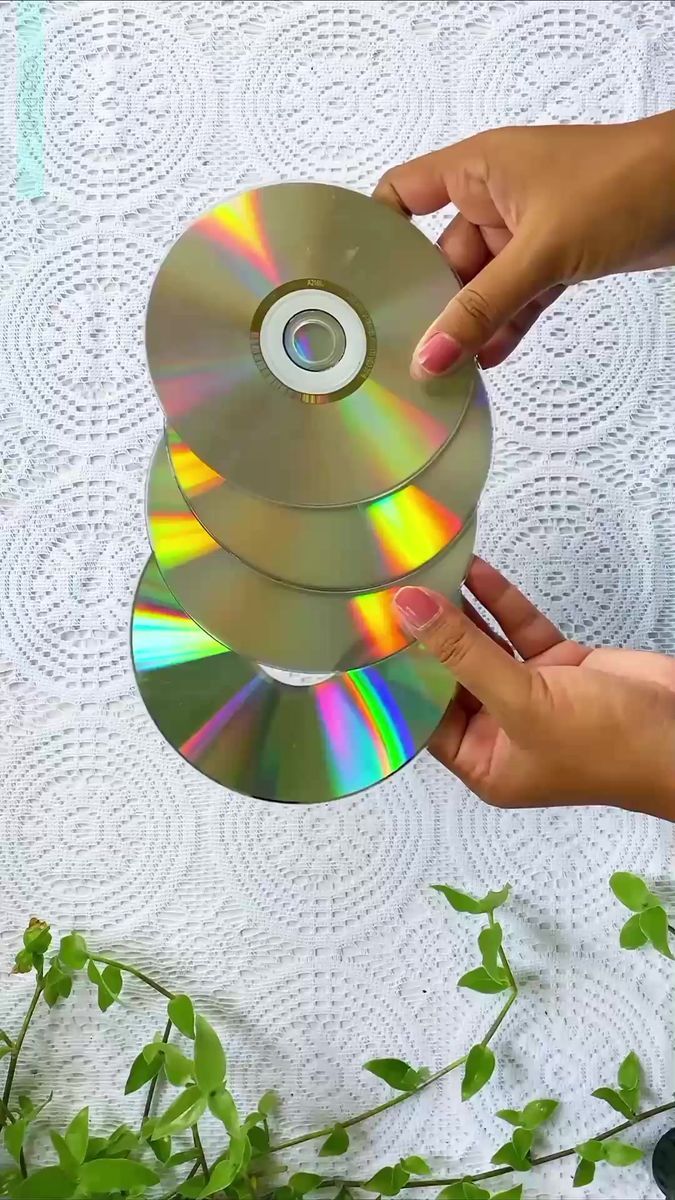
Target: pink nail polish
438,354
417,606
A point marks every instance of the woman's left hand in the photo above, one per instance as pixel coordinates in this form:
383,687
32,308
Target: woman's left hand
569,724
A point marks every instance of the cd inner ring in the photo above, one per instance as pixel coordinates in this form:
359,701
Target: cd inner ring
314,340
341,330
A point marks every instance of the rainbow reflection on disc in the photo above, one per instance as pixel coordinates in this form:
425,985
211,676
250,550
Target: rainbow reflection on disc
242,395
272,740
354,546
285,626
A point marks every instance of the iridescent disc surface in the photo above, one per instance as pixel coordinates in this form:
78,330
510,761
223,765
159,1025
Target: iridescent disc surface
250,304
272,622
346,548
272,740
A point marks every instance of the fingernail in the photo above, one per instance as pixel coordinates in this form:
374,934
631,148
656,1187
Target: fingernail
437,355
417,606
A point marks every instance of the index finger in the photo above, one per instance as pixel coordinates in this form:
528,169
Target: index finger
423,184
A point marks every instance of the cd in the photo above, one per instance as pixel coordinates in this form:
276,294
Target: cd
279,624
273,740
346,548
279,333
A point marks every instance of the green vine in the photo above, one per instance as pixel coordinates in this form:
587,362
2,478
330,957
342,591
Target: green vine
188,1057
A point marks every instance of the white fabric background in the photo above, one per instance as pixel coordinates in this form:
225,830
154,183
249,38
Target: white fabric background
310,936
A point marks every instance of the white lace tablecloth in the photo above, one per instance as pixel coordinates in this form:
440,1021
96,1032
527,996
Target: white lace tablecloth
310,935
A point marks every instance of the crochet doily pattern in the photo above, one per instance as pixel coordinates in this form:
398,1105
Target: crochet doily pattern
310,936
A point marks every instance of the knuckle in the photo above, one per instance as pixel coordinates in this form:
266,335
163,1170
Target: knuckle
451,644
476,307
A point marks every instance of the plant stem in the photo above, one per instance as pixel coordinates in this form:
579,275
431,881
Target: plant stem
200,1150
151,983
458,1062
494,1172
369,1112
153,1082
14,1056
176,1191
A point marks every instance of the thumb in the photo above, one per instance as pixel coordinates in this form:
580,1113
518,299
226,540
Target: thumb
509,281
501,683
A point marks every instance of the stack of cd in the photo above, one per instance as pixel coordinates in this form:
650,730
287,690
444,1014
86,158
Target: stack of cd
302,479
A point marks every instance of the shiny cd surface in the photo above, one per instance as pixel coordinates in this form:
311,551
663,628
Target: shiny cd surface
346,548
273,740
271,622
279,334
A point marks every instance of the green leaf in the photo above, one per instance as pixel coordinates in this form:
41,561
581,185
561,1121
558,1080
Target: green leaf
631,936
480,1064
513,1193
614,1100
162,1149
223,1107
593,1150
494,900
536,1112
183,1156
184,1112
73,951
459,900
222,1175
191,1187
480,980
620,1154
458,1191
96,1147
50,1181
585,1173
37,937
121,1141
209,1057
56,984
415,1165
508,1156
23,963
142,1072
68,1164
630,1071
116,1175
181,1012
14,1137
522,1142
4,1037
395,1072
632,891
268,1103
388,1181
77,1135
178,1069
489,944
259,1139
337,1142
110,987
5,1050
654,924
512,1115
304,1182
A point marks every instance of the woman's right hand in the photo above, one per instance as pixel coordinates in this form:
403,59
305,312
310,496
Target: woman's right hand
539,208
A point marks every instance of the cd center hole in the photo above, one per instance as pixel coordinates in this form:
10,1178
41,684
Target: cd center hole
314,340
295,678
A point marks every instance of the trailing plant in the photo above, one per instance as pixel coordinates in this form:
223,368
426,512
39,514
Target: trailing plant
163,1156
